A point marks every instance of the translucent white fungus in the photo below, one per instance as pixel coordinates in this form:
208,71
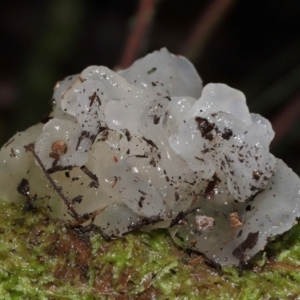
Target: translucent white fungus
147,148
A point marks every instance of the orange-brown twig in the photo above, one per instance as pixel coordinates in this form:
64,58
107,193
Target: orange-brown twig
135,40
286,119
206,23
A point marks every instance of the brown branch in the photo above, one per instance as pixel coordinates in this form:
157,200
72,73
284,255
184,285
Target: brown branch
286,119
143,20
205,25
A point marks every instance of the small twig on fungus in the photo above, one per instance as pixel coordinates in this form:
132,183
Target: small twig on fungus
58,189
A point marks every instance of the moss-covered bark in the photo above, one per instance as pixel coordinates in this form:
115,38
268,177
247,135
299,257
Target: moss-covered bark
46,259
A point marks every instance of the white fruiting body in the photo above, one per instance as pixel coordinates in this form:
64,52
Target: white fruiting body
148,148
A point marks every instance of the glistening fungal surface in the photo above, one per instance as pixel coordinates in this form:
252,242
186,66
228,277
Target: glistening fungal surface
148,147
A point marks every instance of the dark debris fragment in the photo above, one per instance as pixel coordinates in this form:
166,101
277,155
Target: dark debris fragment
205,127
144,221
248,243
95,181
181,216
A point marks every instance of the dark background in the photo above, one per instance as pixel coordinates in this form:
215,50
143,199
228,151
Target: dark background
253,46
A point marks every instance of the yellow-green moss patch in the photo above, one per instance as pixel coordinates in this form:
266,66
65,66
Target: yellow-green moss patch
46,259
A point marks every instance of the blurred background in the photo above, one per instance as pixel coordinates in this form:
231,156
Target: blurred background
251,45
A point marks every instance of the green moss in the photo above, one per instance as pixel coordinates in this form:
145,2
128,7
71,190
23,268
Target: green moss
43,259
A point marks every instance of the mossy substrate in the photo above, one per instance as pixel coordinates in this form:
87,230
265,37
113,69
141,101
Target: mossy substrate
49,259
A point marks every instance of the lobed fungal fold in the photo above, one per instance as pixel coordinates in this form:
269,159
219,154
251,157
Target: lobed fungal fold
149,147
